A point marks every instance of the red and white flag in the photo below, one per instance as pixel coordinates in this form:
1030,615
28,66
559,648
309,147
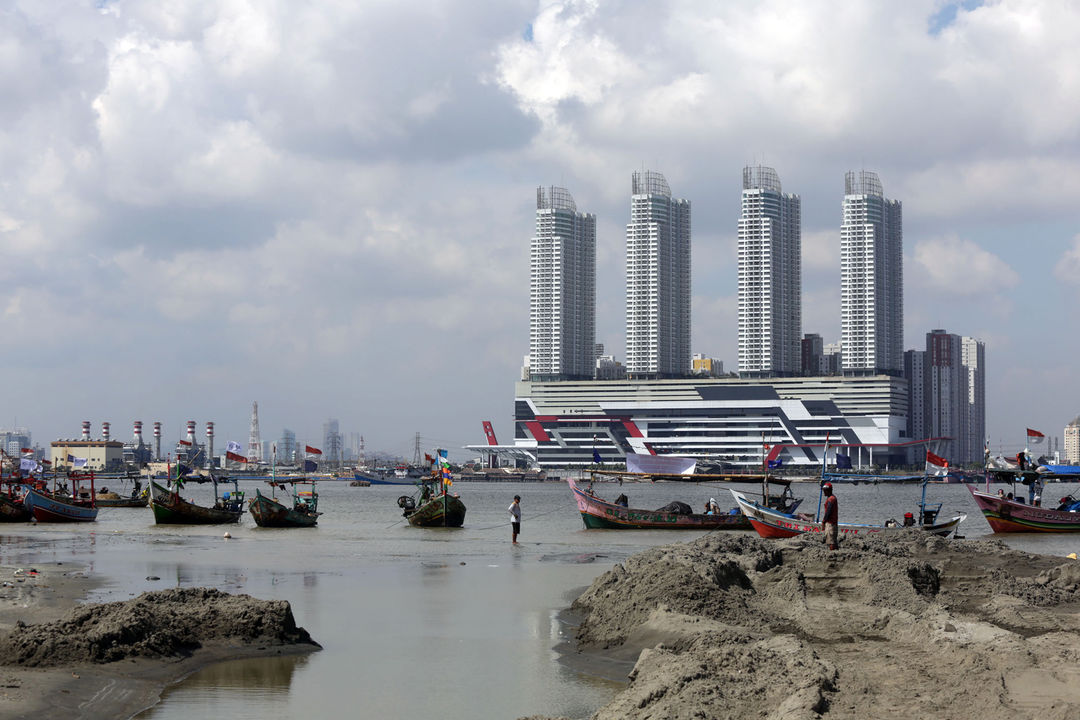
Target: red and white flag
1034,436
935,463
185,443
232,452
312,451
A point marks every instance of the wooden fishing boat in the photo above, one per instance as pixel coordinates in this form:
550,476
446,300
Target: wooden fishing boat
138,498
1005,515
436,505
770,523
270,512
79,506
599,513
171,509
12,507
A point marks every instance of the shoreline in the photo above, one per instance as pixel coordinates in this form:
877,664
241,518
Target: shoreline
729,626
121,688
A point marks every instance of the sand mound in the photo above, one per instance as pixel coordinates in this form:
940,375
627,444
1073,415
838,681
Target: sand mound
736,627
164,624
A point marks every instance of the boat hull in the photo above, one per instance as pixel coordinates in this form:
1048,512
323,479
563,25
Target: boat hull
1006,516
598,514
13,510
771,524
50,509
373,479
436,513
268,512
128,502
171,509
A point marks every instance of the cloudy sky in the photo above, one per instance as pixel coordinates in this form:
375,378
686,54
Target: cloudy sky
327,206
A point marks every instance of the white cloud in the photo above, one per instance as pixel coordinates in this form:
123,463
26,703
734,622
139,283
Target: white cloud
1067,268
956,266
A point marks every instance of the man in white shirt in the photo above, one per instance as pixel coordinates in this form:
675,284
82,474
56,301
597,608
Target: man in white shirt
515,517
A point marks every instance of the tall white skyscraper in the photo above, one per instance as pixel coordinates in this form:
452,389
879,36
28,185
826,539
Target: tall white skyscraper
973,362
562,290
657,280
871,278
770,276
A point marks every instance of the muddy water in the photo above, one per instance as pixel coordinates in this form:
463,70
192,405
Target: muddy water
453,623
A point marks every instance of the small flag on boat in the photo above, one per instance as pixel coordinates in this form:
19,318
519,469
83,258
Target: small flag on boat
78,462
28,450
596,457
312,451
773,464
1034,436
444,468
936,463
310,466
28,464
185,443
232,452
843,462
46,462
182,470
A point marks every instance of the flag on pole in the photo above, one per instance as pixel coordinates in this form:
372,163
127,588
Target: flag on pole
185,443
312,451
28,450
310,466
843,462
28,464
596,457
78,462
1034,436
232,452
936,464
444,468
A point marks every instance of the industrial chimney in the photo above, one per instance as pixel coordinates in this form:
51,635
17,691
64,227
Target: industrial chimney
85,431
105,431
209,445
157,440
138,433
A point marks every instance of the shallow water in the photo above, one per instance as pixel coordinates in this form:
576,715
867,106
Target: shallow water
456,623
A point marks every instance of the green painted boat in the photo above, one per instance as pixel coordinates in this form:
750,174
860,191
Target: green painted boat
270,512
171,509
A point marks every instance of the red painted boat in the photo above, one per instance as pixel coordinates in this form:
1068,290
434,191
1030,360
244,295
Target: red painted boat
772,524
1006,515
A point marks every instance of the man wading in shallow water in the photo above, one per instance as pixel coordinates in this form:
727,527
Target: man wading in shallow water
831,516
515,517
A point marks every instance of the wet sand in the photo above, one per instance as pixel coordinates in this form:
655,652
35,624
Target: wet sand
62,658
736,626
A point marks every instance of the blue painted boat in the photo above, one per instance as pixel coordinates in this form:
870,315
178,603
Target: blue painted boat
60,508
375,478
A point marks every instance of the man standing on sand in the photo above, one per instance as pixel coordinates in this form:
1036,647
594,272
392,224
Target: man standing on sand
515,517
831,516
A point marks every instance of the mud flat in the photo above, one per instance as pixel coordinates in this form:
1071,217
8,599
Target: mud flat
916,626
114,659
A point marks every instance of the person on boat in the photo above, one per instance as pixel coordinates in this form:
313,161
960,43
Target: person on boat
622,500
909,520
830,516
708,508
714,509
515,518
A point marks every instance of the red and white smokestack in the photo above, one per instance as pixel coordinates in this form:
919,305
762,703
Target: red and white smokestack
105,431
138,433
209,444
191,432
157,441
86,430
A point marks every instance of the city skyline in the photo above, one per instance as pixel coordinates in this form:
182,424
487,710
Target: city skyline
191,222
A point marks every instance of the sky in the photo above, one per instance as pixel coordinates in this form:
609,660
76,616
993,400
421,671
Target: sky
326,207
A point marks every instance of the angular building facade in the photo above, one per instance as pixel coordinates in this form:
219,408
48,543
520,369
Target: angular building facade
562,289
770,277
871,277
657,281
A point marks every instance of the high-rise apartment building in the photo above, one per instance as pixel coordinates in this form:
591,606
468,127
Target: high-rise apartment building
657,280
1072,442
812,360
770,277
947,394
562,290
871,278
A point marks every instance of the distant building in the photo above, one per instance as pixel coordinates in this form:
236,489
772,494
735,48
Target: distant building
13,441
562,289
871,278
833,359
332,443
1072,442
286,449
608,368
770,276
100,455
947,394
703,366
657,281
812,356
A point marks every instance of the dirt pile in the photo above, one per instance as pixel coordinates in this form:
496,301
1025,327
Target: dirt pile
737,627
164,624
